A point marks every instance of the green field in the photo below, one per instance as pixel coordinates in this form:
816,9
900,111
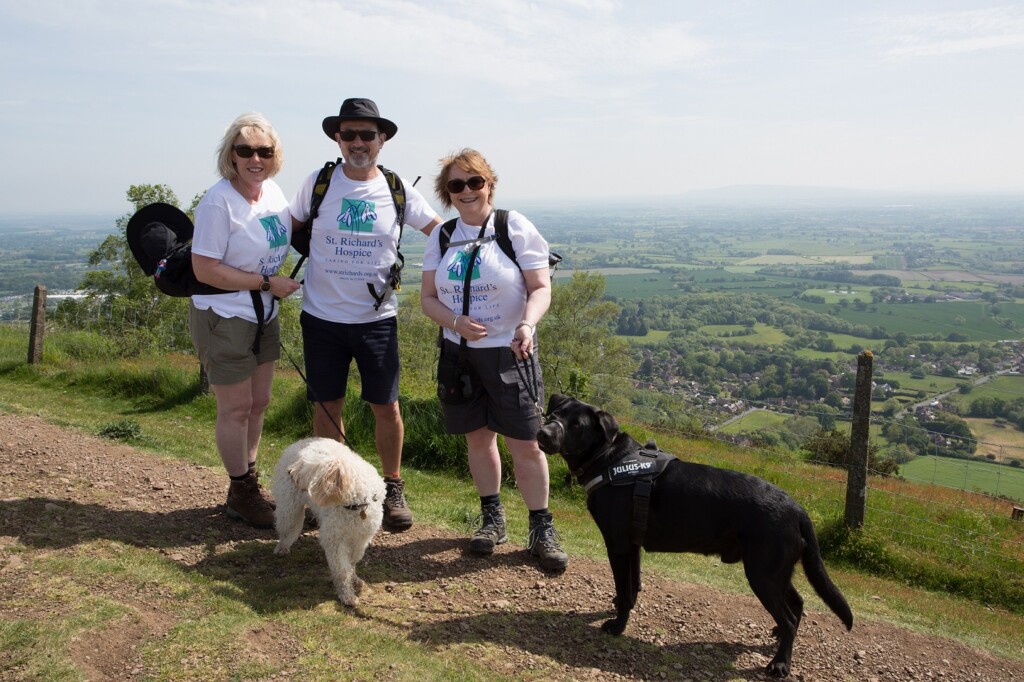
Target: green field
932,383
992,479
763,335
833,295
1004,387
759,420
973,319
653,338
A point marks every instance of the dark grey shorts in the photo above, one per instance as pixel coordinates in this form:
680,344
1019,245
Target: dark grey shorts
501,398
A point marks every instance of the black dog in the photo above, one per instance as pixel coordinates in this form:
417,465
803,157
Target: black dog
688,508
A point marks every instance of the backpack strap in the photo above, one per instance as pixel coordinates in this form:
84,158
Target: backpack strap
300,238
261,317
444,237
394,282
500,235
501,230
323,181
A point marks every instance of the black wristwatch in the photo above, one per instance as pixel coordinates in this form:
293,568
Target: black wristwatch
266,284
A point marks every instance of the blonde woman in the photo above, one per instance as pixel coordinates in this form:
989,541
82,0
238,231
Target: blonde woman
242,236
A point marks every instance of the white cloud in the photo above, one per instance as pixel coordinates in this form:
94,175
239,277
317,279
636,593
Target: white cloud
930,35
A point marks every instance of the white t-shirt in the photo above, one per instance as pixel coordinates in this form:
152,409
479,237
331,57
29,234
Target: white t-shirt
250,237
354,242
497,288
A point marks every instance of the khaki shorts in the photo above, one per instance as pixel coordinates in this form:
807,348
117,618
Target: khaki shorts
224,345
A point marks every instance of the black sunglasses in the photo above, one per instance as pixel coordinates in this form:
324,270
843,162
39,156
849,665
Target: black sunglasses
246,152
474,183
364,135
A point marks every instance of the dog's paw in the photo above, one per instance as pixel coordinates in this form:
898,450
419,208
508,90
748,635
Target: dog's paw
281,549
613,627
777,669
359,586
348,598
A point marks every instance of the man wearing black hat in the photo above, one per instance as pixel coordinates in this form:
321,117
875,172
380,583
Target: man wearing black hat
348,309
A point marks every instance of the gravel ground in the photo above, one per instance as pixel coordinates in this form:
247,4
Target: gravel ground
544,626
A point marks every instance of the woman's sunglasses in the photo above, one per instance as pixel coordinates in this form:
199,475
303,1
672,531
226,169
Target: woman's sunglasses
364,135
474,183
245,151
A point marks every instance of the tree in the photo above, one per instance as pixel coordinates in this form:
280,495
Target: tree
826,415
122,301
578,348
833,447
122,276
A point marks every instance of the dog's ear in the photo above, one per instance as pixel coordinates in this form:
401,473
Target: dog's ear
608,425
557,400
301,472
329,485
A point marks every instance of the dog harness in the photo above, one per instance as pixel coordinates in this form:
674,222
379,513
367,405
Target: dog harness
639,470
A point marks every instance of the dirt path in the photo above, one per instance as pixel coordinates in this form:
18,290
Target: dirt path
111,491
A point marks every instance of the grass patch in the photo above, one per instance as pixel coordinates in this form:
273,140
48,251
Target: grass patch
971,475
908,541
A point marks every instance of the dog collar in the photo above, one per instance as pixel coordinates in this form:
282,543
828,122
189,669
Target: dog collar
361,508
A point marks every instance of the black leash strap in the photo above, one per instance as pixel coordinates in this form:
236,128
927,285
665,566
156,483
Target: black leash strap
316,397
528,374
261,317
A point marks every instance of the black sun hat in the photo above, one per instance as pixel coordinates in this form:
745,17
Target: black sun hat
155,231
362,109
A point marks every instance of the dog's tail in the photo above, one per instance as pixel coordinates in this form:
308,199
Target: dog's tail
818,577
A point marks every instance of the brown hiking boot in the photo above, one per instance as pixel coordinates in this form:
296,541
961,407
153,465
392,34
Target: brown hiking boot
397,515
247,502
263,493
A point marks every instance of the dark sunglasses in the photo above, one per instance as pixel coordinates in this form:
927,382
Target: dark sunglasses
364,135
246,152
474,183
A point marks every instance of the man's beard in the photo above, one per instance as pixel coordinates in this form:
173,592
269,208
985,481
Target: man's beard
362,160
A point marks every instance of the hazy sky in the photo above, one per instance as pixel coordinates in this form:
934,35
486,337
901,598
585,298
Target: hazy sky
568,99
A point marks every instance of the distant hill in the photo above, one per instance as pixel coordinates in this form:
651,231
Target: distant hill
781,195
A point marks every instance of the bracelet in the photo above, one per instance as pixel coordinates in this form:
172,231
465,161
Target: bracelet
455,321
524,323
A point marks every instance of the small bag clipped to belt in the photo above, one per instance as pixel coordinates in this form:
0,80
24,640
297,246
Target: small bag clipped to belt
454,379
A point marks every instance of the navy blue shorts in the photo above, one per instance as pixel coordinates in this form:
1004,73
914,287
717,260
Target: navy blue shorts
503,396
330,347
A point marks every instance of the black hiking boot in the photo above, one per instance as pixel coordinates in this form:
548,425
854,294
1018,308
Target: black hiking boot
543,543
491,531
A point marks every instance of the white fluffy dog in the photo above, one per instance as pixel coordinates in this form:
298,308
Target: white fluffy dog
345,493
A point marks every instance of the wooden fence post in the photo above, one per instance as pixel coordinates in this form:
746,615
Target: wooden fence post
857,472
38,326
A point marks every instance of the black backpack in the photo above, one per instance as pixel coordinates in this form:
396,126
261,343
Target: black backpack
160,237
301,237
500,236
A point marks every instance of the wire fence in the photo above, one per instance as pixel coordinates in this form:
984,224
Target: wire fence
959,516
923,516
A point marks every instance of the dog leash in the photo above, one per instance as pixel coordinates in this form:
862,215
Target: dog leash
528,373
316,397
